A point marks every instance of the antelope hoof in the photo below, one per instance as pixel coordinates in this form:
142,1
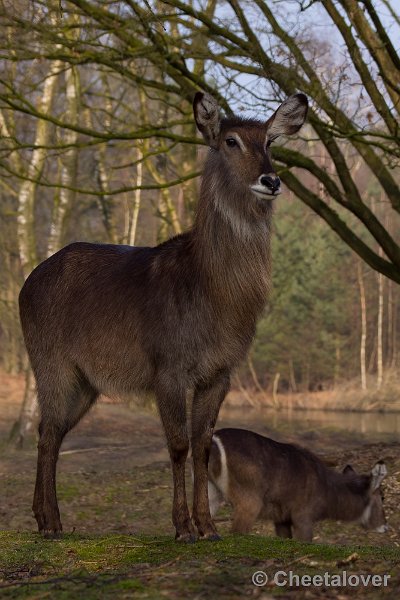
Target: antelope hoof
51,534
213,536
186,538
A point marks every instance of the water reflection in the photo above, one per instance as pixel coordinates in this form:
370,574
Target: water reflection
375,426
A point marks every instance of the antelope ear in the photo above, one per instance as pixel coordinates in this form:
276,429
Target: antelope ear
207,117
378,474
348,469
289,117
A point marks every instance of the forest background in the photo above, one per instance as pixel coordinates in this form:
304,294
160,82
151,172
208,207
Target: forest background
98,143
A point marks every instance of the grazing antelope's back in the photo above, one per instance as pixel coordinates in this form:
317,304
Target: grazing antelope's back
289,485
116,320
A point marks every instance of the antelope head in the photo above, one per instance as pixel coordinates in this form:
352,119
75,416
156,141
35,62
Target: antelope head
243,145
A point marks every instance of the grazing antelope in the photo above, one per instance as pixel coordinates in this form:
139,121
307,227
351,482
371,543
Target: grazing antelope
291,486
175,318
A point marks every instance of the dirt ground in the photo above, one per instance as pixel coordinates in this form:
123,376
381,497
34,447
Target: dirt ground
114,475
115,492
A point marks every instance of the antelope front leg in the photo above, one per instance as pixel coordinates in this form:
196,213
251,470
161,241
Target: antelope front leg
172,407
206,403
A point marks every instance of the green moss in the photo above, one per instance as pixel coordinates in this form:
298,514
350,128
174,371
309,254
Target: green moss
114,565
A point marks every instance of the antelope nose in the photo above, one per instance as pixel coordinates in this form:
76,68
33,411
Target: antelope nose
271,182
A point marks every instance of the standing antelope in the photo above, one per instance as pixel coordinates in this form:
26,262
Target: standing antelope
113,319
265,479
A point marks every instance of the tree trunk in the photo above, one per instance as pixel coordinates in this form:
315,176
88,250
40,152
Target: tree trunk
134,211
254,403
167,209
336,375
389,358
27,238
64,199
26,197
379,365
275,398
104,200
24,429
292,376
363,306
393,363
255,378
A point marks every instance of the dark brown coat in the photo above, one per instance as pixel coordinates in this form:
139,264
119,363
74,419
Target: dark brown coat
178,317
289,485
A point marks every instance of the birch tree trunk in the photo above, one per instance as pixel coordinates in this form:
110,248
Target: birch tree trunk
167,210
379,364
24,427
275,398
64,199
336,374
255,378
105,200
363,306
26,196
292,376
389,322
27,237
394,332
12,348
252,401
134,210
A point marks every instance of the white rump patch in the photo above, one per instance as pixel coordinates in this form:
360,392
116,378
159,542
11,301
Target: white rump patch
222,481
215,498
364,519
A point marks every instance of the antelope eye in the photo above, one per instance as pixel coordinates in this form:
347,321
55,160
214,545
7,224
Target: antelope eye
267,145
231,142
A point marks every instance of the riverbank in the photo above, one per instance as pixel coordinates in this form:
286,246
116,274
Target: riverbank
346,397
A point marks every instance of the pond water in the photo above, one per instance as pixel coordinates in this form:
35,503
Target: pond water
375,427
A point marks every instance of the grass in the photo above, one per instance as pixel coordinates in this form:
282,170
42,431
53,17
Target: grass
92,566
119,499
120,566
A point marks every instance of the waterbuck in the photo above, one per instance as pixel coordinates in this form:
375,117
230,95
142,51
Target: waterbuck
173,320
289,485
